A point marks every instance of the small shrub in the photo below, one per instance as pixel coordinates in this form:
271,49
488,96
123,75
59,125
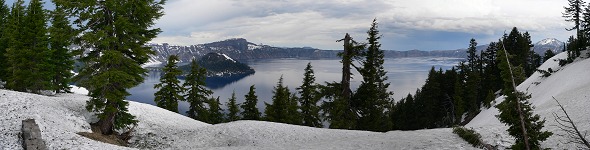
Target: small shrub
469,135
545,73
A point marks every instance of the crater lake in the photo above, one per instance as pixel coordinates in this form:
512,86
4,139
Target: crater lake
405,75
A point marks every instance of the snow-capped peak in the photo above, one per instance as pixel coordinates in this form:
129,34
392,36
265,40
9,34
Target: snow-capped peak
548,41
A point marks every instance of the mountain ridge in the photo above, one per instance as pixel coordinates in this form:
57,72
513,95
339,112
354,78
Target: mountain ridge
241,49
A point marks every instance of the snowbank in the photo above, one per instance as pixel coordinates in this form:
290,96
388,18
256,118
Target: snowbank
570,85
62,116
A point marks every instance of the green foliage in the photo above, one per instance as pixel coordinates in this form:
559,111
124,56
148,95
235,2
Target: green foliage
533,123
372,97
61,35
168,95
30,50
511,115
233,108
472,58
548,54
337,110
309,97
249,106
111,37
284,106
469,135
215,112
12,44
197,93
4,39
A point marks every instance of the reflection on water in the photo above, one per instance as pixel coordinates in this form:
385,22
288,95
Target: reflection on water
405,76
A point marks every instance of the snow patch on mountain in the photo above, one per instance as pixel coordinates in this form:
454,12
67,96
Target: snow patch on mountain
227,57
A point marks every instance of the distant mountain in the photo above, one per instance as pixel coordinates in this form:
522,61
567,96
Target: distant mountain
548,44
241,49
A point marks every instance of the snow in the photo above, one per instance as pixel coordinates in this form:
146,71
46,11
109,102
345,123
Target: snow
546,41
151,63
570,85
60,117
78,90
253,46
227,57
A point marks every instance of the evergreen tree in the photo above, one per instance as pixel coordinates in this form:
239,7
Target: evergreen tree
4,14
233,109
309,98
61,35
112,42
517,112
215,111
458,100
372,97
548,54
197,93
294,116
249,106
12,37
338,109
31,51
277,111
170,90
472,55
573,13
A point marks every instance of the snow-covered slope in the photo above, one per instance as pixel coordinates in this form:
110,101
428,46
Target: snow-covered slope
570,85
62,116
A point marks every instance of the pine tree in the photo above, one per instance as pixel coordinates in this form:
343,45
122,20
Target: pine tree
548,54
197,93
372,97
30,50
12,37
277,111
517,112
170,90
61,35
112,40
215,112
489,98
472,55
249,106
573,13
309,98
458,100
233,109
294,116
338,109
4,14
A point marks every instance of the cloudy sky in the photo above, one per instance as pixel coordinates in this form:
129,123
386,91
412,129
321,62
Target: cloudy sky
404,24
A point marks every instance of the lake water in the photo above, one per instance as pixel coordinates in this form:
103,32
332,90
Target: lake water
405,76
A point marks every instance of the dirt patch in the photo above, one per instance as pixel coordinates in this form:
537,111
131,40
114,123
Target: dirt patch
98,136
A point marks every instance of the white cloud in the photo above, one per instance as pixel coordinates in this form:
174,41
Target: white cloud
319,23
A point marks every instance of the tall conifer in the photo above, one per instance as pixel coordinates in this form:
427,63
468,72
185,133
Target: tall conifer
277,111
170,90
372,97
233,109
249,106
61,35
309,97
4,14
197,93
112,39
215,112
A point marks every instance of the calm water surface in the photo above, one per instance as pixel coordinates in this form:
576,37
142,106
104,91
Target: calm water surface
405,76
